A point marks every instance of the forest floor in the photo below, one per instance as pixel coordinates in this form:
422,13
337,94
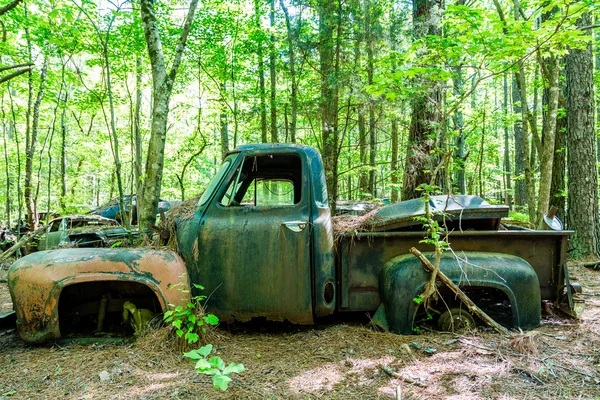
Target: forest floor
561,359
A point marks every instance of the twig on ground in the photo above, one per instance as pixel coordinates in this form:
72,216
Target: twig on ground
396,375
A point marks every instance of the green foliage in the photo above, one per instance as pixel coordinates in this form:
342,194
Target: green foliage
214,366
518,216
190,320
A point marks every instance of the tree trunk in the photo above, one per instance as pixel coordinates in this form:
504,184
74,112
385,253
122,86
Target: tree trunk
520,192
63,153
547,156
31,141
273,74
261,75
369,44
329,95
459,142
394,166
6,164
162,84
224,123
558,189
507,174
425,115
137,174
291,37
581,144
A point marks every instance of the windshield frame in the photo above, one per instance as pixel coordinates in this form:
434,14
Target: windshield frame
216,180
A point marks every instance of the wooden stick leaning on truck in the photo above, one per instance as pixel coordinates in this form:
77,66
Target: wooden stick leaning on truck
461,295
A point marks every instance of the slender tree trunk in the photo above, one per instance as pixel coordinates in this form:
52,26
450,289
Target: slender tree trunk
32,217
19,189
369,43
558,189
581,143
6,165
547,156
137,174
261,75
224,124
63,155
507,169
329,95
459,142
273,74
162,84
481,151
520,191
291,37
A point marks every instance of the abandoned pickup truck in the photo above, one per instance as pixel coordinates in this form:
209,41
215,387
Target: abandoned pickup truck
261,241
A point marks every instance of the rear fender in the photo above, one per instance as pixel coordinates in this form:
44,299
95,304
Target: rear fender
37,280
403,278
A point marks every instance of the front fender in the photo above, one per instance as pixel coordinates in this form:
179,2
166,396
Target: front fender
403,278
37,280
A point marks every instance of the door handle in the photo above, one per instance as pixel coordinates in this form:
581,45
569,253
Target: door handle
295,226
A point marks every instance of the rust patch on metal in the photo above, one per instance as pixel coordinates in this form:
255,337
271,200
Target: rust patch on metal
36,281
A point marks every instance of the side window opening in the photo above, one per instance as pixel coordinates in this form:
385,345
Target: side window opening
265,181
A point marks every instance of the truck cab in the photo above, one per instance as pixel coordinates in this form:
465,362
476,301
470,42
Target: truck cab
261,239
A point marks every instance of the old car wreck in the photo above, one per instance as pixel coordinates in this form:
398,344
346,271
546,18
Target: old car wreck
261,240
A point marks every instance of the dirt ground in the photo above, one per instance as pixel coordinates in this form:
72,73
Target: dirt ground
561,359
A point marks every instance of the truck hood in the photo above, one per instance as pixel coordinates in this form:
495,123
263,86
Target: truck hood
465,207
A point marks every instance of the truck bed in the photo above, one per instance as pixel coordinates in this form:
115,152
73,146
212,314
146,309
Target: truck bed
361,256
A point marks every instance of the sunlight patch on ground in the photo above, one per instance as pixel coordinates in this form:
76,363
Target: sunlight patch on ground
354,371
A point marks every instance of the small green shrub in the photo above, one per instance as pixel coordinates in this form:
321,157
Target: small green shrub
190,319
214,366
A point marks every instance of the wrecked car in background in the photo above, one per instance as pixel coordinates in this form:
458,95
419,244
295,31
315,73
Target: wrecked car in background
261,240
112,209
82,231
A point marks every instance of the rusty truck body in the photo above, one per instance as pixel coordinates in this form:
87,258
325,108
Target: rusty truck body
261,241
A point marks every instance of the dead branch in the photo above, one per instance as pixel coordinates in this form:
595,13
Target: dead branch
14,74
396,375
461,295
9,6
22,242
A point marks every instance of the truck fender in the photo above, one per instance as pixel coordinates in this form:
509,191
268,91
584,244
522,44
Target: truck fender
402,279
36,282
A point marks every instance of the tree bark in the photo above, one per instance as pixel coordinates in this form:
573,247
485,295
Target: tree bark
137,174
273,74
459,142
370,44
7,166
425,115
30,146
507,168
547,156
581,144
162,84
329,95
261,75
291,38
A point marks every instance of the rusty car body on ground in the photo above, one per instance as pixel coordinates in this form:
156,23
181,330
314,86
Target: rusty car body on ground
262,243
81,231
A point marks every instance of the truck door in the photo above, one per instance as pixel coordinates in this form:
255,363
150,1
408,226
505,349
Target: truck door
255,257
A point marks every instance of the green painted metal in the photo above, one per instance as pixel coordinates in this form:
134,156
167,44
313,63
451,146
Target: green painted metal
457,208
361,257
403,278
259,260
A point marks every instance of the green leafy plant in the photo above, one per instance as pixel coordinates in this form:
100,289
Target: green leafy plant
190,319
214,366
